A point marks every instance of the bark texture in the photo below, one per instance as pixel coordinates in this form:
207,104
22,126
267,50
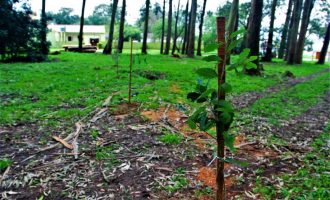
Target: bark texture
191,37
163,29
308,7
121,28
253,33
186,26
43,32
294,31
169,29
284,38
325,46
81,31
108,47
232,24
175,37
269,48
200,36
145,32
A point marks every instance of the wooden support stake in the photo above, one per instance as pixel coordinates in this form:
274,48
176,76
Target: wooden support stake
130,74
220,194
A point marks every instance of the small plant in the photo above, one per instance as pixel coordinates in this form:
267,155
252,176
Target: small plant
106,153
171,138
177,181
115,58
94,134
214,110
4,163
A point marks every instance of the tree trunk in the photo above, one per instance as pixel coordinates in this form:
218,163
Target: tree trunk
43,32
269,48
163,29
108,47
324,47
294,31
146,24
200,37
184,43
253,34
220,179
308,7
169,28
81,32
283,42
187,36
191,38
232,23
176,29
121,28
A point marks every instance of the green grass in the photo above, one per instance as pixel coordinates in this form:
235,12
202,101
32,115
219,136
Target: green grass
171,138
293,101
310,181
64,91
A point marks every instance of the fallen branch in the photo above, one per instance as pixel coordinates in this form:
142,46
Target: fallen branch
166,110
244,144
58,139
108,100
67,139
4,174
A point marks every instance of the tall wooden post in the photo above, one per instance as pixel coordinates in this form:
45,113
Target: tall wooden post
220,194
130,73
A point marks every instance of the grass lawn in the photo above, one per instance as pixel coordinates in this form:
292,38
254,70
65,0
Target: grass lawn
72,84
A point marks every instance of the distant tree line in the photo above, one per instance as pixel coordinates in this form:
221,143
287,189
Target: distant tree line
182,27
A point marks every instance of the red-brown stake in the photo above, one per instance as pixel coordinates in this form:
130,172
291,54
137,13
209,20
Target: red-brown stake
130,74
220,194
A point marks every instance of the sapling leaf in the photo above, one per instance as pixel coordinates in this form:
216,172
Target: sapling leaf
193,96
191,124
250,65
233,66
229,141
225,87
245,53
235,162
236,33
252,58
194,116
233,44
200,88
211,58
207,73
206,93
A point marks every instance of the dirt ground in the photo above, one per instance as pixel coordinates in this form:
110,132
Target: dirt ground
118,155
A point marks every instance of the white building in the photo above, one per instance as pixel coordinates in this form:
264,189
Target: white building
68,34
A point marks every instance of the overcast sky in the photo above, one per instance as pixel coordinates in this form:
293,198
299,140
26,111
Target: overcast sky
133,6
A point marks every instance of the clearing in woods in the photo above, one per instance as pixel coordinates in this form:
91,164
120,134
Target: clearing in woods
67,132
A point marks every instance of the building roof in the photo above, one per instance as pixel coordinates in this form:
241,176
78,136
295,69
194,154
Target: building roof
76,28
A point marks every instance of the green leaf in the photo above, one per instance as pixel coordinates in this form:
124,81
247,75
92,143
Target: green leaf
225,87
236,33
207,73
193,96
200,88
194,116
229,141
211,58
252,58
235,162
245,53
250,65
4,163
223,105
191,124
206,93
233,44
233,66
